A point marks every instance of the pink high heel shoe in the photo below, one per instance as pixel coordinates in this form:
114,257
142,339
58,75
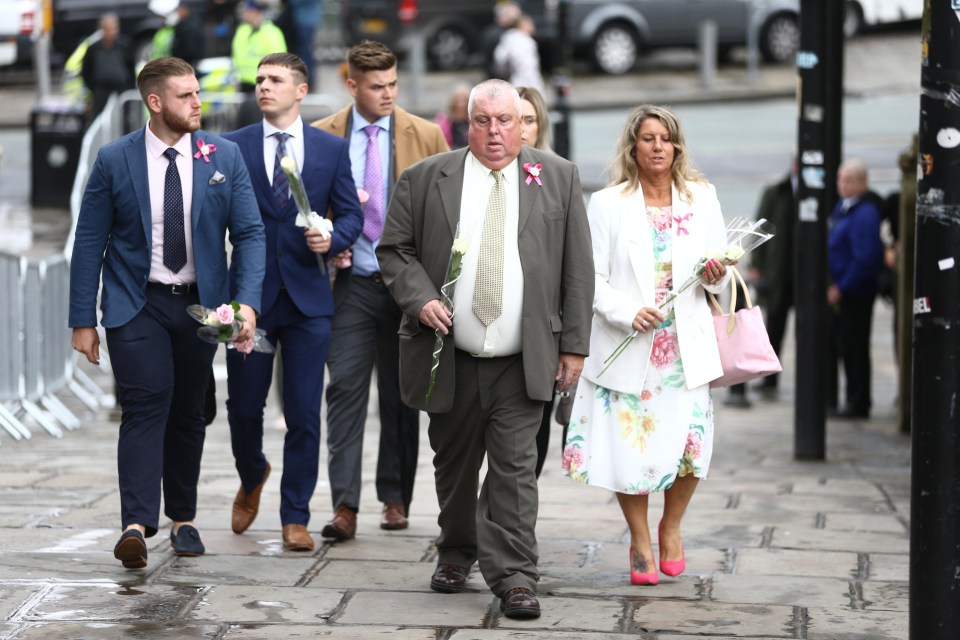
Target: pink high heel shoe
671,567
638,578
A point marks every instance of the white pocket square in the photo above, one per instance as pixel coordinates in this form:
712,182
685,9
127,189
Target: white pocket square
217,178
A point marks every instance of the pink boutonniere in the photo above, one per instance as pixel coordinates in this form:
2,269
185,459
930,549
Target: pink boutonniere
204,149
681,230
533,172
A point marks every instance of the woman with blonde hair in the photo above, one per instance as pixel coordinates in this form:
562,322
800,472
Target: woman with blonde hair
645,424
535,119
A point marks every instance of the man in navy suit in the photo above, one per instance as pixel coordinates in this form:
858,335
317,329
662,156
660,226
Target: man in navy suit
153,219
297,300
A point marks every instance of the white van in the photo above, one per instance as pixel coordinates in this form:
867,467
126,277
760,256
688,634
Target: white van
20,24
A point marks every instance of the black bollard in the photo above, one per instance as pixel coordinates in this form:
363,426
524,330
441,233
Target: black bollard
935,480
820,67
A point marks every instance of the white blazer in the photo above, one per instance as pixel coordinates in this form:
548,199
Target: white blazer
623,259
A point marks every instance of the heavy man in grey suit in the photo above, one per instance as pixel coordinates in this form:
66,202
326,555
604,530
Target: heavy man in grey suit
524,303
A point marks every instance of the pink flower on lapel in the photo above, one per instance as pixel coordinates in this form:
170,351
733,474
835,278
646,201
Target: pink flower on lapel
533,172
204,149
682,230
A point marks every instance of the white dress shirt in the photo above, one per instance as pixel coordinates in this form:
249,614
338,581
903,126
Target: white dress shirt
157,165
294,145
503,336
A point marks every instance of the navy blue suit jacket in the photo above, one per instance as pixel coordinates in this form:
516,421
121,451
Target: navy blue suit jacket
114,232
328,180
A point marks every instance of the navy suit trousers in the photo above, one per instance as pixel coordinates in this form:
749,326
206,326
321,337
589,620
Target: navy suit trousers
161,369
304,341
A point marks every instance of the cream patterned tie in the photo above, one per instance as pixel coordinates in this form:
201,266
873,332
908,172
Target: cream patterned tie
488,290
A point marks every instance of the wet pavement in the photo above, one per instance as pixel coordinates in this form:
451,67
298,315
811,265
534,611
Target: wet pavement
776,548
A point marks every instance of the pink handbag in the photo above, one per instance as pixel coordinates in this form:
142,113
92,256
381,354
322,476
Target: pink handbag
745,351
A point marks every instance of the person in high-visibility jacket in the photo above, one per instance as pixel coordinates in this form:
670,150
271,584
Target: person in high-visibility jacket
255,37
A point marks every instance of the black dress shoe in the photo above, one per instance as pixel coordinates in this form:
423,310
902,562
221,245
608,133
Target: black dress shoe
131,550
520,603
186,542
449,578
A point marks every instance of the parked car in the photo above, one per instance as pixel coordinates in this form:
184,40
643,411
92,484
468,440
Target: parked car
612,34
864,14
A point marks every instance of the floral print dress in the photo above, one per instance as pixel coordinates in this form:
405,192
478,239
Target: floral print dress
640,444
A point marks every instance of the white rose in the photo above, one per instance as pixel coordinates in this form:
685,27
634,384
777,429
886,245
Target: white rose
205,150
733,253
460,246
288,164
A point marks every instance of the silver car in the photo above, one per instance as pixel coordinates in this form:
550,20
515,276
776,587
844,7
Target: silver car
614,34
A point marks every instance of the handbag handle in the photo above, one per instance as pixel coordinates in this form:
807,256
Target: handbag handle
737,277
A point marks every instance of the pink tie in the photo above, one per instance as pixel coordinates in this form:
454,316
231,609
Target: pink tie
373,185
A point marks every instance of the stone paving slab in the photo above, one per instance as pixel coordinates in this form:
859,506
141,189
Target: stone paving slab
400,548
283,632
258,604
888,567
238,570
569,614
788,562
111,631
417,609
108,602
865,522
707,619
93,566
894,596
846,624
13,597
791,591
837,540
376,575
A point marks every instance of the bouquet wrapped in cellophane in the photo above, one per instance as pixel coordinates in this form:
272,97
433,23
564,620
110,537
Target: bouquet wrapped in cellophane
223,324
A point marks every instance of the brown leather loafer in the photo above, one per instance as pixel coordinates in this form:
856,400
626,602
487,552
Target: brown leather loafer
246,505
394,517
449,578
520,603
297,538
343,526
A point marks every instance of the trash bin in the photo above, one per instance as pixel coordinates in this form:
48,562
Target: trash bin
56,136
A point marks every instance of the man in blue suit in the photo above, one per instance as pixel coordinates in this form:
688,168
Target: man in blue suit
297,300
153,219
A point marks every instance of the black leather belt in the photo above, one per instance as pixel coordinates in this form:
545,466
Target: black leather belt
376,276
181,289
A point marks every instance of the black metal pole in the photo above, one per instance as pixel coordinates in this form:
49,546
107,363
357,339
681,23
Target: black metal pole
820,68
561,84
935,483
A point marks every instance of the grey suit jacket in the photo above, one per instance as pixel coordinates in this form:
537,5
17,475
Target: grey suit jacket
555,253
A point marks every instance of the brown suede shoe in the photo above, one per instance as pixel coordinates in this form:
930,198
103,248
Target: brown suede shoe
343,526
246,505
394,517
296,538
520,603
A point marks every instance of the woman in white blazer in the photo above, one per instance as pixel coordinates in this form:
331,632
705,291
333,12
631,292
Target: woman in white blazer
645,424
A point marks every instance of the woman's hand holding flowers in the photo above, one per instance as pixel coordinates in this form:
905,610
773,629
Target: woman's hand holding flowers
713,271
647,319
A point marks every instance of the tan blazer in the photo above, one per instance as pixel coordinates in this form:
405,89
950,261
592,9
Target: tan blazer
414,138
555,255
623,258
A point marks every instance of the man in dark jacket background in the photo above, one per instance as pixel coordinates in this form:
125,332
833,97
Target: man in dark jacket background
855,258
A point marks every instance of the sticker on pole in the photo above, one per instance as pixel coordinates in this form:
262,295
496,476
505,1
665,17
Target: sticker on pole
807,211
807,59
948,138
945,264
813,177
812,157
921,306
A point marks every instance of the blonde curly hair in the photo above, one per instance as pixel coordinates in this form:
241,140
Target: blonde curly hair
624,169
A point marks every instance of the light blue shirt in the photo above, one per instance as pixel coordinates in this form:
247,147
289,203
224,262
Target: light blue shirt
364,259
